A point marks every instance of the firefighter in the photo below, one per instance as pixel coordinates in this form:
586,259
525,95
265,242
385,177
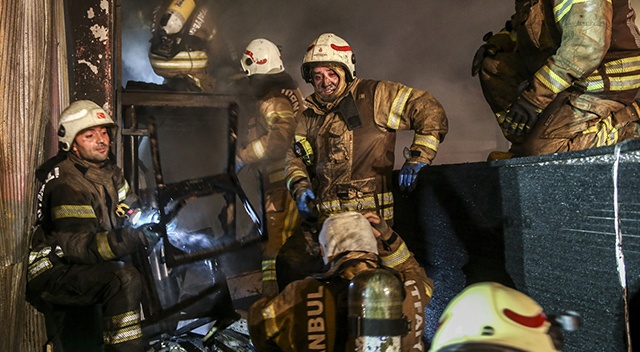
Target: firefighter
311,314
488,316
270,135
187,48
343,156
563,75
81,238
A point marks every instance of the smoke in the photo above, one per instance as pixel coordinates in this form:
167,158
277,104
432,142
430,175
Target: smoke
424,44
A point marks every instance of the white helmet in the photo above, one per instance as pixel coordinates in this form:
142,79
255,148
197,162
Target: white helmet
488,315
329,48
80,115
261,57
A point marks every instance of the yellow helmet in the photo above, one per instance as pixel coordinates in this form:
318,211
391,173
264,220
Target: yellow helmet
80,115
261,57
492,317
329,48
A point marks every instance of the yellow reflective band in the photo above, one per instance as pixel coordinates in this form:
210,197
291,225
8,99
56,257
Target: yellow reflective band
38,267
258,149
398,257
564,7
268,264
428,290
397,107
624,65
73,211
360,204
283,114
290,221
270,326
296,175
122,328
595,84
122,192
102,241
428,141
551,80
184,60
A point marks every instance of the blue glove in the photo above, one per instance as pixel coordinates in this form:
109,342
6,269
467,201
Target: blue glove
305,204
409,175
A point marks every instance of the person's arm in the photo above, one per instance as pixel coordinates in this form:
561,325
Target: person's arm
278,116
77,231
398,107
586,37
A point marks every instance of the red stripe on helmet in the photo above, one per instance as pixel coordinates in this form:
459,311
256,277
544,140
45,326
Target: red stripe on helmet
340,47
535,321
311,47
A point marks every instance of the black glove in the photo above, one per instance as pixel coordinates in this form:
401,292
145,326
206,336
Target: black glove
521,117
150,235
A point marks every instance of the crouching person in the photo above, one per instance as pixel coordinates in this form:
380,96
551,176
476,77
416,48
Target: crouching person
313,313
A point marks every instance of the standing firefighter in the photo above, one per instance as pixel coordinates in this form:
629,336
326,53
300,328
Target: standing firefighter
563,75
344,151
270,135
80,238
313,314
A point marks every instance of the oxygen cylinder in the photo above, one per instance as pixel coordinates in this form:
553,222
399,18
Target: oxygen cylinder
376,322
177,15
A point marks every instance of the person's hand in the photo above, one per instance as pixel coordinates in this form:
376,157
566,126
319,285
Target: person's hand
305,204
150,234
409,175
380,227
521,117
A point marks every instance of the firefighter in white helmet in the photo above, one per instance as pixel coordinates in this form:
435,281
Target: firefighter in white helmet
344,154
82,233
488,316
312,313
269,136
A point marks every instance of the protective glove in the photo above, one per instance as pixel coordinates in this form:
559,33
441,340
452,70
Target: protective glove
306,205
150,234
380,227
521,117
409,175
499,42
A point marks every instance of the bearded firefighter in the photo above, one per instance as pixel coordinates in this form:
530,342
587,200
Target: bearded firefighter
563,75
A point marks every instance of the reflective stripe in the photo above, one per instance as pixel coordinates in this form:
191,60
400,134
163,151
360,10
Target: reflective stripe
606,133
258,149
427,289
269,270
595,84
290,221
285,114
270,326
397,107
39,261
122,328
428,141
551,80
122,192
564,7
295,176
73,211
398,257
625,65
102,240
360,204
184,59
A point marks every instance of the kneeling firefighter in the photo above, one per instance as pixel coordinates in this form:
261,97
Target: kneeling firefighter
372,284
